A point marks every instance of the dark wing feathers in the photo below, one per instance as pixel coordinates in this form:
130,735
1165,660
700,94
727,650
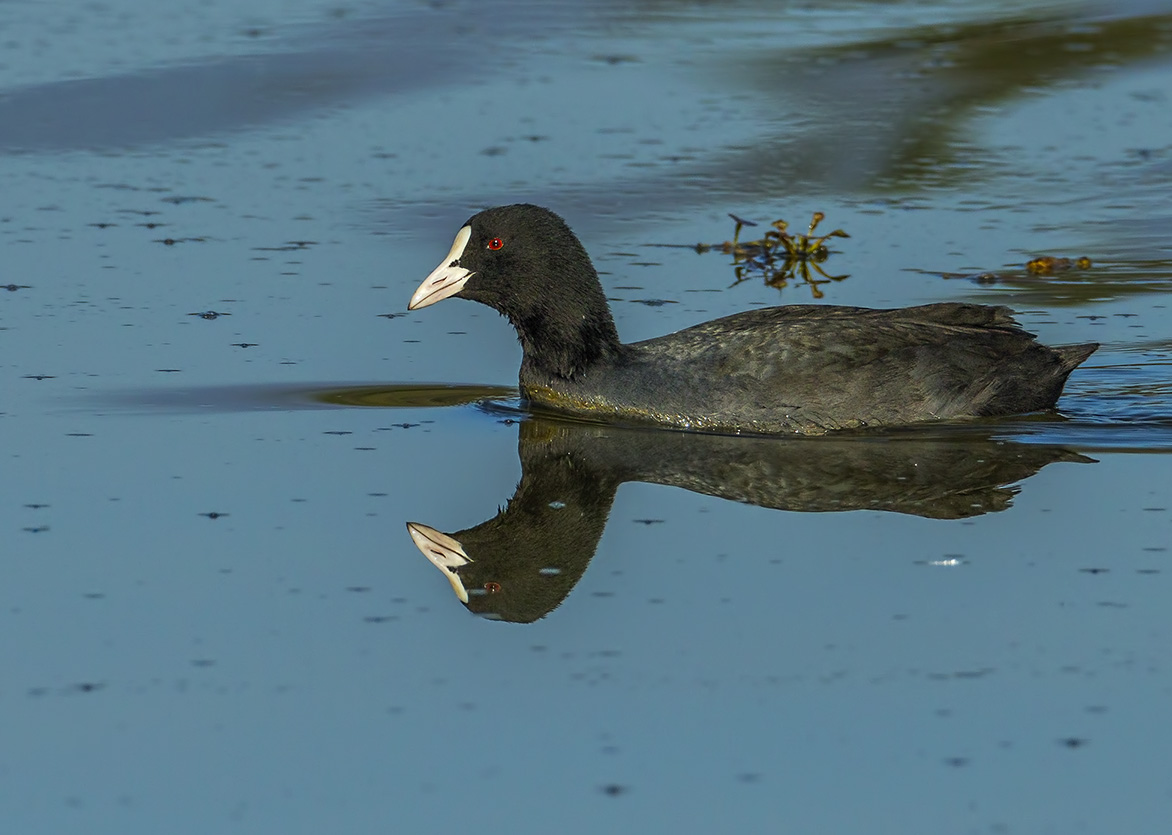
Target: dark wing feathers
940,315
836,366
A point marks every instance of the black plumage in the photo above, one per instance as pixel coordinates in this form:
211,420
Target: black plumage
805,369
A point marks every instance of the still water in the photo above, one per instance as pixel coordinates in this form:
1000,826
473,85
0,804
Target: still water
217,419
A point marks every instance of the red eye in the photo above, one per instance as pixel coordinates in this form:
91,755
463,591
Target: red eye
495,243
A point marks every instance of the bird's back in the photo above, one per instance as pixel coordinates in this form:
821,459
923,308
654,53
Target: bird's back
814,368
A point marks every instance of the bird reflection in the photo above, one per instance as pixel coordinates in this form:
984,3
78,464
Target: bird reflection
522,563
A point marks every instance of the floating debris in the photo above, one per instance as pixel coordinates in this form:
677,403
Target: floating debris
173,241
780,256
1047,264
178,200
1042,265
288,246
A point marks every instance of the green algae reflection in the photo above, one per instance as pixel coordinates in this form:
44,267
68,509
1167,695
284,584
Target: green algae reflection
412,395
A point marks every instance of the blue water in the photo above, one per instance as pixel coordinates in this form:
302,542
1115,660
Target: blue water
214,618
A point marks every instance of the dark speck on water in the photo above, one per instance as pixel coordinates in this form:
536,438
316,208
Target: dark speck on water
87,687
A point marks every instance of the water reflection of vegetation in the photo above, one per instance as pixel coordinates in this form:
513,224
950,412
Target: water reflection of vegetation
411,395
871,130
520,564
895,112
282,396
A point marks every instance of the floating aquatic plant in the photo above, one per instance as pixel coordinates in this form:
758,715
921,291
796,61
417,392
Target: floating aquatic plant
1043,265
1048,264
780,256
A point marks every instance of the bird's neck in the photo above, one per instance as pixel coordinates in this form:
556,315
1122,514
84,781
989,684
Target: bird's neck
561,345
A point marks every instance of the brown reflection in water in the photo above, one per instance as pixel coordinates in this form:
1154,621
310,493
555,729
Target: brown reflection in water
285,397
421,395
890,112
884,114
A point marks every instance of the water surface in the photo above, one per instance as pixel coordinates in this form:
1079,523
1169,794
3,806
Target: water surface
216,419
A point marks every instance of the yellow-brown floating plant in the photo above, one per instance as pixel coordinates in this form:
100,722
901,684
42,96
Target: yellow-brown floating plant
1049,264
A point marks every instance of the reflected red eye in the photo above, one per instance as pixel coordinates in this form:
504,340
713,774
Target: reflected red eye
492,588
495,243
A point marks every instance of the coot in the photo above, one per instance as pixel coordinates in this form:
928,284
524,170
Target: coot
805,369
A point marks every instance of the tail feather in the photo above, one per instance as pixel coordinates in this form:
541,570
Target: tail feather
1073,356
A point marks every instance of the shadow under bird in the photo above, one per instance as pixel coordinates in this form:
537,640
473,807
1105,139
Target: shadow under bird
804,369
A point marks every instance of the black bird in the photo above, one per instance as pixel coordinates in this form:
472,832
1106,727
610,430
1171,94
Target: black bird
805,369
